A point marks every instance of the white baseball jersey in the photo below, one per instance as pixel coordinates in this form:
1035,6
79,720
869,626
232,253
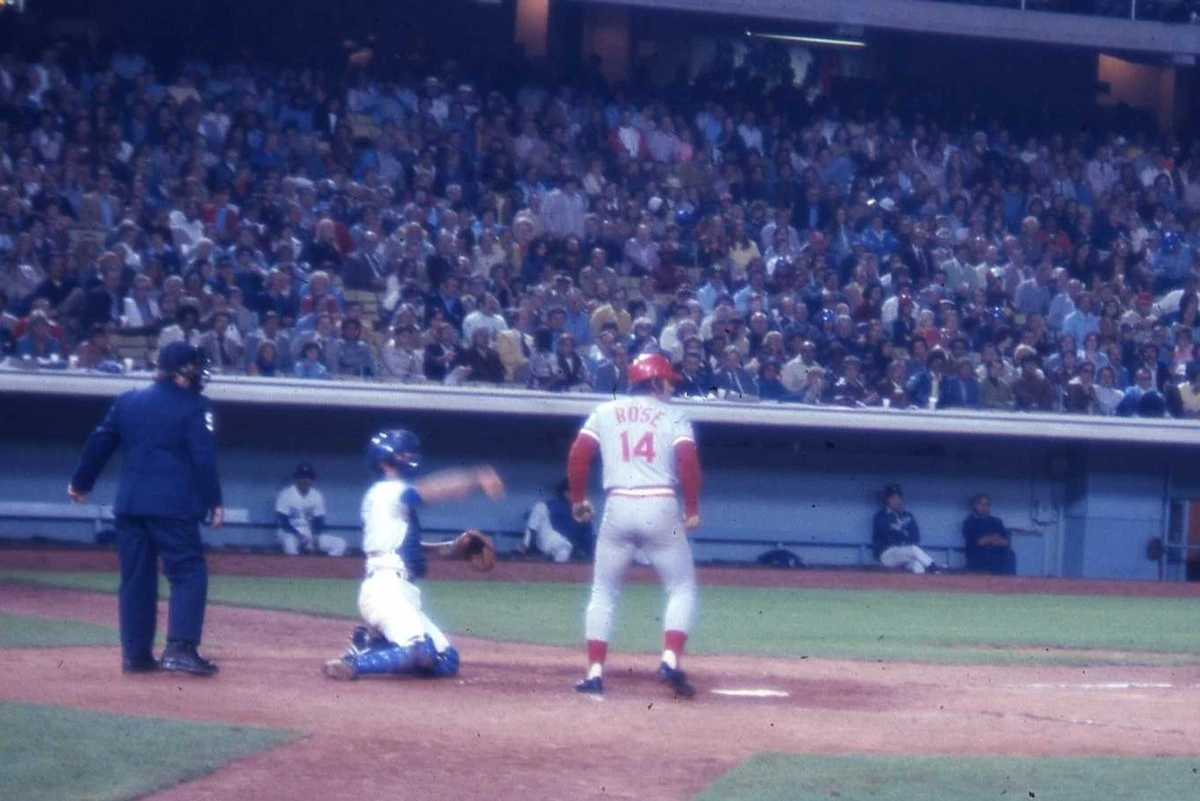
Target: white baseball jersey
387,524
637,437
300,509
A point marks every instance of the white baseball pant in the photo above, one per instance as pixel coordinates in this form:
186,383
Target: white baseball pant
654,525
326,543
391,603
910,557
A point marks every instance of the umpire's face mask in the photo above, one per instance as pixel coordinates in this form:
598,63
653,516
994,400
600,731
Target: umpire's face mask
196,376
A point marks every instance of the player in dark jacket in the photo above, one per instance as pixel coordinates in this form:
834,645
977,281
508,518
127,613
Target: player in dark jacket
989,544
168,484
896,537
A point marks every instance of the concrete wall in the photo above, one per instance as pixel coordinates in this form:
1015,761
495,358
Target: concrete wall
1094,506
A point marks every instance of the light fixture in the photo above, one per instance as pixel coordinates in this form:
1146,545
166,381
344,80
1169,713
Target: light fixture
817,40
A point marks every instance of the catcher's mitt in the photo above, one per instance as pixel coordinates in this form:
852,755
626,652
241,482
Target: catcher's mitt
476,547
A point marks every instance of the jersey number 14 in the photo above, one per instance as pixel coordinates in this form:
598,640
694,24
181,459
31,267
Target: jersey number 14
642,449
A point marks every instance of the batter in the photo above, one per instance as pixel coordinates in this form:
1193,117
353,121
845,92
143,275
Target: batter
649,452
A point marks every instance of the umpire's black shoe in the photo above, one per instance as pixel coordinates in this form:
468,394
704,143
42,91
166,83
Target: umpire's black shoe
146,663
182,657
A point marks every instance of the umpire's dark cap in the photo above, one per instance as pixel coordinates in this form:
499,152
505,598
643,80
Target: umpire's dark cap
892,489
178,355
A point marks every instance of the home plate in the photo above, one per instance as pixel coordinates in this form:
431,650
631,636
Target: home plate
753,693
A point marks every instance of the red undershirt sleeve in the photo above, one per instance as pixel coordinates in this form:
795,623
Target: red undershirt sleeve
579,464
688,462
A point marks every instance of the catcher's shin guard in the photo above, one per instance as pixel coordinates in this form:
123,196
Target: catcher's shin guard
391,658
446,664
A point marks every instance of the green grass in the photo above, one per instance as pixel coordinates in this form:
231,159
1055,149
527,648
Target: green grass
18,631
787,777
51,753
851,624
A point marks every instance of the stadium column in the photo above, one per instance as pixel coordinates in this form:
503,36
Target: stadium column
606,36
532,26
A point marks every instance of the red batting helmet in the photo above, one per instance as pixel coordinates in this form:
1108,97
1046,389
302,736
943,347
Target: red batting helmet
649,366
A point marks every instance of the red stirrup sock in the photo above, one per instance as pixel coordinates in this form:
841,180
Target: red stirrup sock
597,652
673,642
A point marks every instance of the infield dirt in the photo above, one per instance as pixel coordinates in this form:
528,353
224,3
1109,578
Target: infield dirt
510,726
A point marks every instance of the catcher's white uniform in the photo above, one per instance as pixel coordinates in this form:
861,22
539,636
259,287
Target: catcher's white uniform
388,600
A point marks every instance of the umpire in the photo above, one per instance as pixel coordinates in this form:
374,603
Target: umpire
168,485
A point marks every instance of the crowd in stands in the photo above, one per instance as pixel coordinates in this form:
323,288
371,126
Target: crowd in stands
436,230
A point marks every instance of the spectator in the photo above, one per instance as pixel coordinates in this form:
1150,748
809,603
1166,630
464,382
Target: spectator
896,538
611,374
487,317
733,381
890,390
481,362
141,311
1031,391
850,390
770,388
1189,391
567,371
814,391
553,530
38,343
1081,397
310,364
442,353
222,345
400,358
447,303
694,380
1108,397
988,541
272,332
350,355
322,334
266,360
962,388
994,391
185,329
927,386
97,352
300,515
1081,322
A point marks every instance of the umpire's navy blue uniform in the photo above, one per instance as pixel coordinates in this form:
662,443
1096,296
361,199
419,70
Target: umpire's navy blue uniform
168,484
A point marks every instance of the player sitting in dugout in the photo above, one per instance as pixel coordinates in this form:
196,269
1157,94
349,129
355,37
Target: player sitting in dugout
896,538
553,529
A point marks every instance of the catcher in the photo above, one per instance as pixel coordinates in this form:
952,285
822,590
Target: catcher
399,639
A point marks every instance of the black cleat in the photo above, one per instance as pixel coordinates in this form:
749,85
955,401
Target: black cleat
181,657
592,686
677,680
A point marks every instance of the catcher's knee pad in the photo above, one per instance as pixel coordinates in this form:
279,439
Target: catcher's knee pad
446,664
364,638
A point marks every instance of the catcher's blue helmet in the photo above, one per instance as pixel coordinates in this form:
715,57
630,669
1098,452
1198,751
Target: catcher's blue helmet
397,447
